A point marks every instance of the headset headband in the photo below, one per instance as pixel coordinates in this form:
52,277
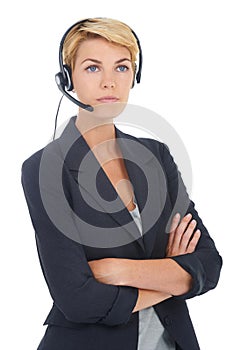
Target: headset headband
62,69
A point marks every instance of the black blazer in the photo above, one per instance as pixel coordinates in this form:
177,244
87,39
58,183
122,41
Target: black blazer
75,223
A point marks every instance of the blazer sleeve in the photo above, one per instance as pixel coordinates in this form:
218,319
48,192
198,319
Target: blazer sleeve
73,288
205,263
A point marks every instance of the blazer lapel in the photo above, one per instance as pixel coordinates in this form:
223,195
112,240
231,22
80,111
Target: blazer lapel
79,158
143,172
148,179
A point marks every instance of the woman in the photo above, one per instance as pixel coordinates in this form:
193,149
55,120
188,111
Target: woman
117,279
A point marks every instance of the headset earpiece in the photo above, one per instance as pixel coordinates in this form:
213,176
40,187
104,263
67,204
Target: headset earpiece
134,76
63,78
68,77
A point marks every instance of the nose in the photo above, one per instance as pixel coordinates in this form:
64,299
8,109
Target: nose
109,85
108,82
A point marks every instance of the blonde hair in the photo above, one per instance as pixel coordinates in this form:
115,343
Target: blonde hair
112,30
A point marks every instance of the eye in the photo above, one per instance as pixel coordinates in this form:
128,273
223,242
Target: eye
92,69
122,68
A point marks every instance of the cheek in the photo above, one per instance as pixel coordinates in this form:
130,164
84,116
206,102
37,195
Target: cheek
86,84
83,88
127,84
77,80
78,77
126,87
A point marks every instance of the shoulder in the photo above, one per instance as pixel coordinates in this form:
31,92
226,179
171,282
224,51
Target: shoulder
31,165
159,149
154,145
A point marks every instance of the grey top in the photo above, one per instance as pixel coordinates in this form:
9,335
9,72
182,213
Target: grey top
151,335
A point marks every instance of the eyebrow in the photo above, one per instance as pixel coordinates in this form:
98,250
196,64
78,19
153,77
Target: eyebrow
99,62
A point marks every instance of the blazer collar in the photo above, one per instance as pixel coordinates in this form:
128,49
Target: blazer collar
74,148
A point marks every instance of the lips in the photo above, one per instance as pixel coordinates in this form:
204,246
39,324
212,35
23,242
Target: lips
108,99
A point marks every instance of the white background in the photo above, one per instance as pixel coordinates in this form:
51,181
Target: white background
187,78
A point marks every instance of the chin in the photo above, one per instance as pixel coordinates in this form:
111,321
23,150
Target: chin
108,110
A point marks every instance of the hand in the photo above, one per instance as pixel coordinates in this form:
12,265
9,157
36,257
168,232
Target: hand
183,238
109,270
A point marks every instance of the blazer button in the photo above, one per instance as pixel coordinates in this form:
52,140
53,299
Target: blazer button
167,321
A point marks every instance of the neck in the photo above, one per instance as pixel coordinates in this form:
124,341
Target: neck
97,131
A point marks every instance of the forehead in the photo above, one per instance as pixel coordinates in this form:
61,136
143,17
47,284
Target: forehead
101,48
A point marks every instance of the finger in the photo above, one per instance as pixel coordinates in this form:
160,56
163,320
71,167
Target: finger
175,222
174,225
185,239
180,230
193,243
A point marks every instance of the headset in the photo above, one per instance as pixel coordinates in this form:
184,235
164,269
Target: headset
64,77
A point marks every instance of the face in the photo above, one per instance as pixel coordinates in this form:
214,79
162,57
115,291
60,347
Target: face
103,74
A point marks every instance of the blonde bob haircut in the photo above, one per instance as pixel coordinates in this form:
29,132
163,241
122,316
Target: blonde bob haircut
112,30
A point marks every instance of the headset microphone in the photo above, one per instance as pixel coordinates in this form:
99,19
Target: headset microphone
61,86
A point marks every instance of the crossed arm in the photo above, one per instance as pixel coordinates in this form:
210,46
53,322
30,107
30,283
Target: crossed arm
156,279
